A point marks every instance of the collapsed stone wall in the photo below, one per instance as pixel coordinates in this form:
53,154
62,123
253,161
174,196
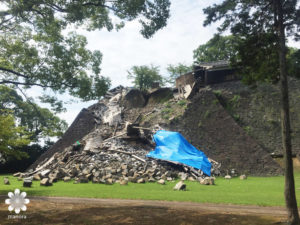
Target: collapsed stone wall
109,153
203,121
83,124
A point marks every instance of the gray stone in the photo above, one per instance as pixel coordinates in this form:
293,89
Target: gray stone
96,174
45,182
134,99
123,166
95,180
6,181
109,181
108,176
62,173
27,182
123,182
243,177
161,181
44,173
132,179
83,180
141,180
53,177
102,181
228,177
183,176
17,174
151,179
36,176
180,186
191,179
208,181
66,179
86,171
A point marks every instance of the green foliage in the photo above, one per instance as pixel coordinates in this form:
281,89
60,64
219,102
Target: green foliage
217,48
215,102
176,71
39,122
218,93
236,117
144,76
35,51
261,63
247,129
12,137
294,62
207,114
182,102
167,113
235,100
256,26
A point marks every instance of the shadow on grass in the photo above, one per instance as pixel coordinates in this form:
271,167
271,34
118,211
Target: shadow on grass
132,215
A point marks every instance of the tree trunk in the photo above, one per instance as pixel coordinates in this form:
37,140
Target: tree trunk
289,189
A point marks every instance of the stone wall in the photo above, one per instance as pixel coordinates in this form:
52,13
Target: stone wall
82,125
257,111
208,126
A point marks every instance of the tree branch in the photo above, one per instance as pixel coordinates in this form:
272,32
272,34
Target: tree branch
26,83
13,72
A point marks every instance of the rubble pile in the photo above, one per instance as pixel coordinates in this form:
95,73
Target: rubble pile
114,152
114,162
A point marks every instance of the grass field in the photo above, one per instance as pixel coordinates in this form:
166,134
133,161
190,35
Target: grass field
263,191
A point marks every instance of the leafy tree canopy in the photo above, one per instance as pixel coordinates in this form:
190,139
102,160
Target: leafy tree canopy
144,76
217,48
176,71
254,35
39,123
255,57
34,51
12,137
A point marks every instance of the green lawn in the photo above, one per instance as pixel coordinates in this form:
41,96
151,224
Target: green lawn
264,191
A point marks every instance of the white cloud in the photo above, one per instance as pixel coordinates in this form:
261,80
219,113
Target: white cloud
173,44
123,49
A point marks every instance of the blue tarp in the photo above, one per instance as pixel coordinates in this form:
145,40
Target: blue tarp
172,146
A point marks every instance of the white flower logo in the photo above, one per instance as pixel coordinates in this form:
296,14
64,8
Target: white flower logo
17,201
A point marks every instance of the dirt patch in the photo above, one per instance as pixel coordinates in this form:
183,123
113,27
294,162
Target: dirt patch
97,211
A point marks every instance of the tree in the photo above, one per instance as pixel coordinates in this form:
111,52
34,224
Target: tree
217,48
293,57
176,71
254,21
144,76
34,51
263,53
39,123
12,137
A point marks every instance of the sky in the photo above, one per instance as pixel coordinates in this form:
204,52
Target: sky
126,48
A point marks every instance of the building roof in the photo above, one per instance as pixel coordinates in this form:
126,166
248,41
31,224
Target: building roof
214,65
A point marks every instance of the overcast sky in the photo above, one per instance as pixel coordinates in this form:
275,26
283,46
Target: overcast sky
123,49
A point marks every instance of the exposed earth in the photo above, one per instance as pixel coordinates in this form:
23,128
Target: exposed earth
62,210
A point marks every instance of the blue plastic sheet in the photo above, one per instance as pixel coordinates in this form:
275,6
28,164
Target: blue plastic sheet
172,146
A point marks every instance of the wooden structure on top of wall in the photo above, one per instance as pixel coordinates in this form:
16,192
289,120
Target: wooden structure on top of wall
204,74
